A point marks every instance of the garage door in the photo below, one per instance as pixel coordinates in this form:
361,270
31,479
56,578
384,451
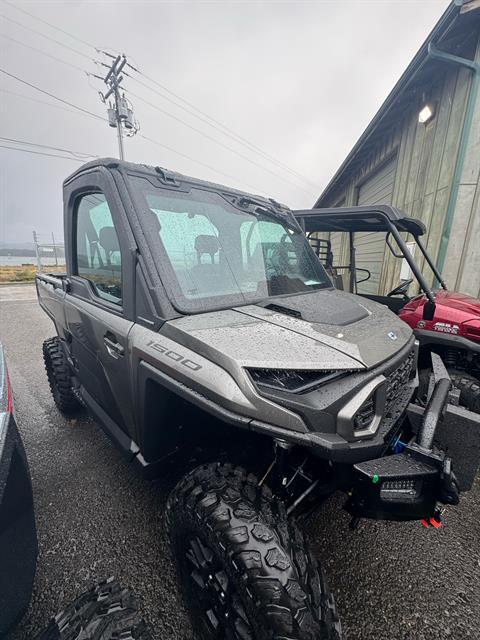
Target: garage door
378,189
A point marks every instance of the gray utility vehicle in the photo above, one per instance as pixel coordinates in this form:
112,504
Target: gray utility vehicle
198,326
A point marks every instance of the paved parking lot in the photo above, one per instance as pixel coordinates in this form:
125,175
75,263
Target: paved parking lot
96,517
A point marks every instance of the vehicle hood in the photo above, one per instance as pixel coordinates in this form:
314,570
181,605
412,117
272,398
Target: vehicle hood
450,307
459,301
326,329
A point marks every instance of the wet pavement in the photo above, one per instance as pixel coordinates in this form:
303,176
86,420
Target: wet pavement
97,517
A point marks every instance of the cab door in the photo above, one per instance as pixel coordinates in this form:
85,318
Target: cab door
99,313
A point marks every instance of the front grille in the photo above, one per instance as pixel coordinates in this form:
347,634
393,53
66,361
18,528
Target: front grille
397,380
365,415
396,383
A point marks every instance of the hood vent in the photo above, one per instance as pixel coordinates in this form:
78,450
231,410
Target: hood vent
285,310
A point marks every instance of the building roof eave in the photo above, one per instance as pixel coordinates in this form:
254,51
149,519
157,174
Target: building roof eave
420,58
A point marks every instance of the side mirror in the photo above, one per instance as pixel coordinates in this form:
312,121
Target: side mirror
429,310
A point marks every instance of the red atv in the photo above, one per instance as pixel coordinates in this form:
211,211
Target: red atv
445,322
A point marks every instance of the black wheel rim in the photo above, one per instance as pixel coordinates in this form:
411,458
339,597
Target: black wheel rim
213,596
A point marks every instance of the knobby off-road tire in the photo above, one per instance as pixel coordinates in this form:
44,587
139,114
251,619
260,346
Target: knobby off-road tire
59,377
106,612
244,566
469,389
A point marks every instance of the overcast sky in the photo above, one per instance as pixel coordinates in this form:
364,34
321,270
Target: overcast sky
299,80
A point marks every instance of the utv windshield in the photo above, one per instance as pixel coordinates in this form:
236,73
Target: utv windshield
212,255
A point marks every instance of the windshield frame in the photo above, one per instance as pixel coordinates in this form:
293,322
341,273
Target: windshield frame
161,257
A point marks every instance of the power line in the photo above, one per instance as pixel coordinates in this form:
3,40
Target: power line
146,138
51,95
199,162
11,4
46,146
81,111
47,104
39,153
61,44
49,55
216,124
151,140
121,115
218,142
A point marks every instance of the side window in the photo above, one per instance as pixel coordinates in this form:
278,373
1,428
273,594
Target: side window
98,257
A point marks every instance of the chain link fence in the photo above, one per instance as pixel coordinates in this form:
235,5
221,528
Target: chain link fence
50,254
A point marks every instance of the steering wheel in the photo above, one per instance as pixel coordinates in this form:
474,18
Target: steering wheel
401,290
278,262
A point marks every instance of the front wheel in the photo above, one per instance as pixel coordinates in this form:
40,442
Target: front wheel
245,567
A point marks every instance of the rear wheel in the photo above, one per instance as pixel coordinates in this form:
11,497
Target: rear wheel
469,388
59,377
245,567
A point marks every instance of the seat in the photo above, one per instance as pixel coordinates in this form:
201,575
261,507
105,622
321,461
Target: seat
210,277
206,244
108,240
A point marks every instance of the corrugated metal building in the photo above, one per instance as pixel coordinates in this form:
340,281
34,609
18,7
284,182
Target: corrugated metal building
421,153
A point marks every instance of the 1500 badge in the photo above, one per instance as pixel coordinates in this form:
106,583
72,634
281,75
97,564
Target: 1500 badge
446,327
173,355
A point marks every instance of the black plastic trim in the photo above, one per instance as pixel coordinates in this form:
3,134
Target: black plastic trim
447,340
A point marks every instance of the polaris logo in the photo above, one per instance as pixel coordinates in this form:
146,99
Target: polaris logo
392,335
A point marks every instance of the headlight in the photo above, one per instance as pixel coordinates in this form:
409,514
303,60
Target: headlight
293,380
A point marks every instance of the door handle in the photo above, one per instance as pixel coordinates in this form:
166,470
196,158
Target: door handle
113,347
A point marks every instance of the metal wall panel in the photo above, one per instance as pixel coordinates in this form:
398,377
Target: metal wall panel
426,154
370,247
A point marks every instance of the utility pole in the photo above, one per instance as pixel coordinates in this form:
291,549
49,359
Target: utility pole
120,112
55,250
37,252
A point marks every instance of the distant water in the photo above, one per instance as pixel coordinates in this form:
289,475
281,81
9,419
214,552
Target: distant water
12,261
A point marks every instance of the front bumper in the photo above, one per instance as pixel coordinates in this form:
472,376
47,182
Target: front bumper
413,483
329,412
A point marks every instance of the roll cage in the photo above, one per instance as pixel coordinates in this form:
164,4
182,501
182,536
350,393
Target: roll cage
378,218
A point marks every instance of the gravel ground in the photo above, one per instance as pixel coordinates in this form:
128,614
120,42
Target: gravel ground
96,517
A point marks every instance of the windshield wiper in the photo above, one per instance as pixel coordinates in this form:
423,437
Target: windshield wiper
258,207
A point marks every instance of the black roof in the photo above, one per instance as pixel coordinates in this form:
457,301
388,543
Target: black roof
167,177
367,218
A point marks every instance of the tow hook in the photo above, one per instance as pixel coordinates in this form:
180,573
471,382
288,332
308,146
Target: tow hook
436,520
432,522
